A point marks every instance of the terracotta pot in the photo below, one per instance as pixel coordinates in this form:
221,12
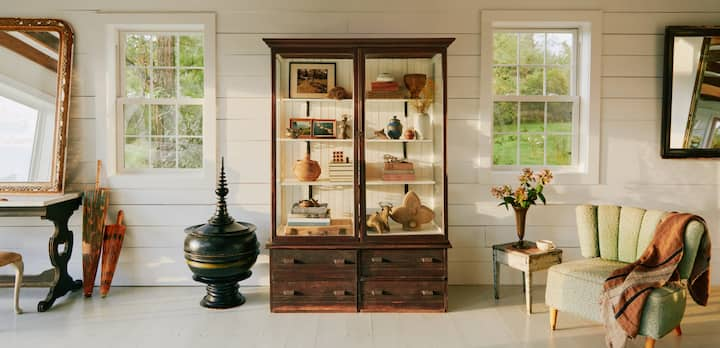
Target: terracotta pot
307,169
520,214
415,83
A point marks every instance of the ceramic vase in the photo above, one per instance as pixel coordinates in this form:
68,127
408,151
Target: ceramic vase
520,214
422,126
307,169
394,128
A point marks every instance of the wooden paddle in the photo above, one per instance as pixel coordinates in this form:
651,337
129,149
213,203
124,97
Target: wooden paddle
112,243
95,204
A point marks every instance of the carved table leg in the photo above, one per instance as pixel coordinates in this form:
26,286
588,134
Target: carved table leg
62,283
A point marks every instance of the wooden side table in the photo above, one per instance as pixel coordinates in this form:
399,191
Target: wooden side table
525,260
58,209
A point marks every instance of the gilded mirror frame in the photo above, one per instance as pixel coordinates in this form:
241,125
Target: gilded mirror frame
671,32
62,102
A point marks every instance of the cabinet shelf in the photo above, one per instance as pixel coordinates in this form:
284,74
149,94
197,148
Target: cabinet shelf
317,100
319,182
314,140
399,141
379,182
396,230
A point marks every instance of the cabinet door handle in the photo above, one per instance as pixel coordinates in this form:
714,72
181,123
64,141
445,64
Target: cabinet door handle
377,292
427,292
339,261
288,260
376,259
288,292
339,292
427,260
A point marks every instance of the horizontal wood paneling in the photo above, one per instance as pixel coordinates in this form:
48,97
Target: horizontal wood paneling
632,172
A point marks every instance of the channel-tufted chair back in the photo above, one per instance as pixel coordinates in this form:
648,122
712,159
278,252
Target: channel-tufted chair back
622,233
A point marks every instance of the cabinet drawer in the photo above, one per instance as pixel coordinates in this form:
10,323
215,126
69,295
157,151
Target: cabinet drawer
389,295
313,265
313,296
414,263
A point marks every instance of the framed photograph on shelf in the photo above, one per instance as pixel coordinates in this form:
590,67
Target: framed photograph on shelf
304,126
311,80
323,128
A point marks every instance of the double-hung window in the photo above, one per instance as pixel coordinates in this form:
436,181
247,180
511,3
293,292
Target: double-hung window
540,93
535,105
162,79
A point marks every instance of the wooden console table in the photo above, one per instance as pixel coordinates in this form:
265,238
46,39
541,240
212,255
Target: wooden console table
57,209
526,260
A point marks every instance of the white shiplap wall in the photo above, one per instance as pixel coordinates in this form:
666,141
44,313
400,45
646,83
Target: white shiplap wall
631,173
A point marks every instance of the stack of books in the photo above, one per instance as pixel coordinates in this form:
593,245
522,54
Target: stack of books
399,171
309,216
385,90
341,171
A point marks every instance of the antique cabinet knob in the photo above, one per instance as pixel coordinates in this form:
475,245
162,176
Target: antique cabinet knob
288,292
376,259
427,260
377,292
288,260
339,292
427,292
339,261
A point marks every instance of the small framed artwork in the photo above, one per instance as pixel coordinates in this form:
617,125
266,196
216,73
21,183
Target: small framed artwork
323,128
303,126
311,80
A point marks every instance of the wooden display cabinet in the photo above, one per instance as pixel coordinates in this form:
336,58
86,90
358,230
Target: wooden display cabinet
326,259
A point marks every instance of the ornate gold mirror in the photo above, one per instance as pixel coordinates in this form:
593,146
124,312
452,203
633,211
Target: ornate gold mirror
35,64
691,108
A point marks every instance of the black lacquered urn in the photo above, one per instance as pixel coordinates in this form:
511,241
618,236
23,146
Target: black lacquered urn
221,253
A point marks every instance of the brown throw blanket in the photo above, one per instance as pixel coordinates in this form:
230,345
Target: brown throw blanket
627,288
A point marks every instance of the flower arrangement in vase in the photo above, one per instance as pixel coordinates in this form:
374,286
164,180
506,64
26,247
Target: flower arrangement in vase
526,194
422,105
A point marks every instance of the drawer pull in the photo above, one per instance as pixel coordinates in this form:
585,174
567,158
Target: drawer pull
376,259
288,292
427,260
339,261
377,292
339,292
288,260
427,292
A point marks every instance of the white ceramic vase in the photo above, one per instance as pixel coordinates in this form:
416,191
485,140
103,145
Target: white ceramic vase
423,128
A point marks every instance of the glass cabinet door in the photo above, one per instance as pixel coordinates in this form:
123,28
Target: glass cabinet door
404,146
314,157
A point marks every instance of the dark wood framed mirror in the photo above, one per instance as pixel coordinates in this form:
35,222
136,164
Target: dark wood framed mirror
691,92
35,74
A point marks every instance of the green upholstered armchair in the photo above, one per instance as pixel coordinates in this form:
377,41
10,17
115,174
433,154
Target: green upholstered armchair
611,237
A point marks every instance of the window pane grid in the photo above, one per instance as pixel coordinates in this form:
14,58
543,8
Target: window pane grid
167,92
534,70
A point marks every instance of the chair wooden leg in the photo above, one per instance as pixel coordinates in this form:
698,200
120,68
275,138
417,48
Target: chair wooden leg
649,342
19,269
553,318
678,331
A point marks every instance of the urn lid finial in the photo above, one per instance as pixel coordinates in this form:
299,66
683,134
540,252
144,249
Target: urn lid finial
221,216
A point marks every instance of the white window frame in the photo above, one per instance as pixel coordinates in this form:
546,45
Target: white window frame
110,106
586,150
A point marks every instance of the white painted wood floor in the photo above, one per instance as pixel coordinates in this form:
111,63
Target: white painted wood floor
171,317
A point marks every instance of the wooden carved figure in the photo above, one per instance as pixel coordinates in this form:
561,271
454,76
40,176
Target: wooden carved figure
412,214
379,220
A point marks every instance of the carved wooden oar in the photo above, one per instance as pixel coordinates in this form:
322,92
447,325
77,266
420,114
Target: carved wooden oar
112,243
95,204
